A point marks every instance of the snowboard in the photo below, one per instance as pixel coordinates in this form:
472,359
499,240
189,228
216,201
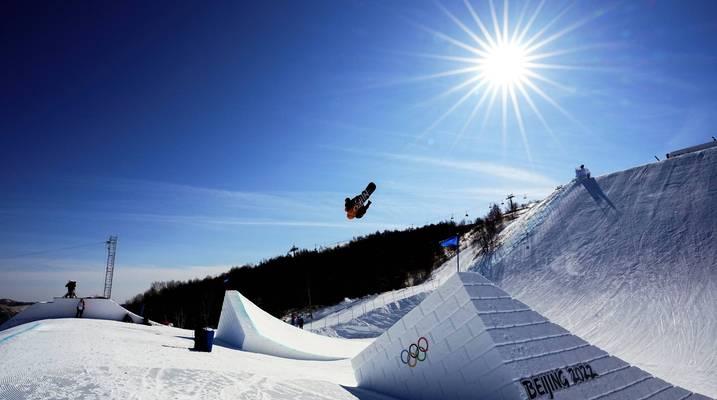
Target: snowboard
353,206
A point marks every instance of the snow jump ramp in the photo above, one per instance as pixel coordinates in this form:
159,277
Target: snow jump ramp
471,340
242,324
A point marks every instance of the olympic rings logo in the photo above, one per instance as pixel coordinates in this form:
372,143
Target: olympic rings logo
416,352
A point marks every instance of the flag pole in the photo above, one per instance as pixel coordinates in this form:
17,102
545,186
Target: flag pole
458,254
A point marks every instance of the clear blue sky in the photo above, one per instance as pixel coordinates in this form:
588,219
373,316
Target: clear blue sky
219,134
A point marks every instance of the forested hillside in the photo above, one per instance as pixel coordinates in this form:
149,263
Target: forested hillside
371,264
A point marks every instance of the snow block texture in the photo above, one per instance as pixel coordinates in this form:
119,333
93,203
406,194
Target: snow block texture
242,324
61,307
471,340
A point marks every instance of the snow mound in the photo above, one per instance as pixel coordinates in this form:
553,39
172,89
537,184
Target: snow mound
62,307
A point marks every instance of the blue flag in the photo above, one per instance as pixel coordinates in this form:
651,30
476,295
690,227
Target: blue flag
450,242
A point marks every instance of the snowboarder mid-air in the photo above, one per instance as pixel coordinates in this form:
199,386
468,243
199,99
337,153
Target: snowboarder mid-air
355,208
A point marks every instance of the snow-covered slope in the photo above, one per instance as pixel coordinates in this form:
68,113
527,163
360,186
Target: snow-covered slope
627,261
370,316
95,359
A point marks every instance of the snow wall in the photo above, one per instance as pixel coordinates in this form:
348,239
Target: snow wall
627,261
471,340
61,307
242,324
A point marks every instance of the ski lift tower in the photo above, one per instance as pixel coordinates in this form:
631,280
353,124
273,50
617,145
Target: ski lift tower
109,272
511,204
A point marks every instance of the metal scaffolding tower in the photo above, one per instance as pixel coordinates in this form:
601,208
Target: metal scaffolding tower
111,251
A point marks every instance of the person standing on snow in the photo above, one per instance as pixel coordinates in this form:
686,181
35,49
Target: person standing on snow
80,308
300,322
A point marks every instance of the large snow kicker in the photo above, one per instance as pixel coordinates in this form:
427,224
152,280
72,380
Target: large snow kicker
244,325
62,307
627,261
471,340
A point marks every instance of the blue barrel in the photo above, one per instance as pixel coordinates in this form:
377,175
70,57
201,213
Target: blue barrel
208,339
200,339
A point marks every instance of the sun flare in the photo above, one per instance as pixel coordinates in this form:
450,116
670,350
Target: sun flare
507,62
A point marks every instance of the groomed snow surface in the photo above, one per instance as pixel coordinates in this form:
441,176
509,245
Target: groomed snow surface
95,359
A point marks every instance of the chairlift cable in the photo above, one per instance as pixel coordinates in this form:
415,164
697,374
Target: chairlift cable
51,250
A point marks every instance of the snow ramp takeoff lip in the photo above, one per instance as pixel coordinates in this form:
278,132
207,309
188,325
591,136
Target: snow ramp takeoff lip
244,325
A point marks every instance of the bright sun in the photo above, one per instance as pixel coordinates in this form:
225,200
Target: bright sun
505,65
